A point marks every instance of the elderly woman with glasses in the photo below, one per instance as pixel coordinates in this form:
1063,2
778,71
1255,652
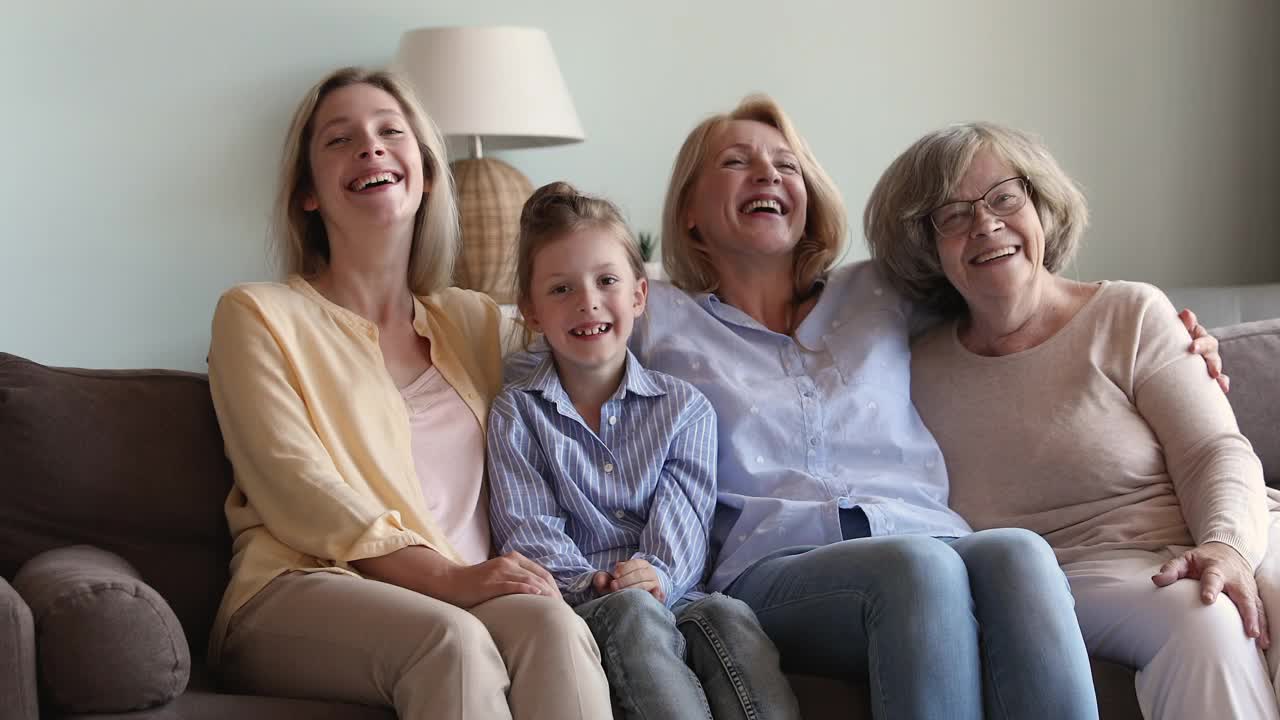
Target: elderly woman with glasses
1074,410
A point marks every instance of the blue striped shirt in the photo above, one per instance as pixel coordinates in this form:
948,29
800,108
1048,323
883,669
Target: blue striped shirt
577,502
811,423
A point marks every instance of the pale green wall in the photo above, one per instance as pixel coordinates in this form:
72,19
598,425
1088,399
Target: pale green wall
140,139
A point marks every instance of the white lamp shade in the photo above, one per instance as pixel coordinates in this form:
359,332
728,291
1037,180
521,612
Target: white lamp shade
499,83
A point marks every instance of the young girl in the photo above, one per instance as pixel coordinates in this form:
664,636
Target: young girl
604,473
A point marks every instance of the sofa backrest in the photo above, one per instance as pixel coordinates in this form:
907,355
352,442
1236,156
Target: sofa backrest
1251,357
128,460
132,461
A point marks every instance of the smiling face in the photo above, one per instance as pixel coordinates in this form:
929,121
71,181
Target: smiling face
366,164
585,297
997,257
749,200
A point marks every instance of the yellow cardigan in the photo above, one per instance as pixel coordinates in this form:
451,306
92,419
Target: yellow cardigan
318,434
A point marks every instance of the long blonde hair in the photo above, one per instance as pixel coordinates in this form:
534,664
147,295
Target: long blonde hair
826,227
300,239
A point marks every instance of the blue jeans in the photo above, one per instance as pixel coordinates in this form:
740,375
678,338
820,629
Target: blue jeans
707,659
941,628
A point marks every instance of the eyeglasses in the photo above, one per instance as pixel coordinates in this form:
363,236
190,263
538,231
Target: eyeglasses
1004,198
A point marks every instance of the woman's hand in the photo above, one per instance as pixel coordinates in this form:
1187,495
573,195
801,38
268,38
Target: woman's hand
510,574
428,572
1220,568
1205,345
637,573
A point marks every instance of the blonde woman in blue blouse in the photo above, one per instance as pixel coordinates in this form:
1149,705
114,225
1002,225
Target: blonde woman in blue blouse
353,400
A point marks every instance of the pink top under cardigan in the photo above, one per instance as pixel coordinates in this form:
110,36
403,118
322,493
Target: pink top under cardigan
448,453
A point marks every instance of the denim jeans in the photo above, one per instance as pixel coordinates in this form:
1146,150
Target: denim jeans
941,628
706,659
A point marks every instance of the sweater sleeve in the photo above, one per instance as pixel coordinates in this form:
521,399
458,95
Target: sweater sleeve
283,472
1216,475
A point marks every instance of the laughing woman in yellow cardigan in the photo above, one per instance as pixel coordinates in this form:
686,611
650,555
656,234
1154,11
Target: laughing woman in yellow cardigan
352,399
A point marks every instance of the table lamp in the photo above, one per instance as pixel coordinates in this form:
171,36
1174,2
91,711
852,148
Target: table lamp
500,88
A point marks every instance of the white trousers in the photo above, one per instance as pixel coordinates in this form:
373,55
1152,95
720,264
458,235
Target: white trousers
1194,660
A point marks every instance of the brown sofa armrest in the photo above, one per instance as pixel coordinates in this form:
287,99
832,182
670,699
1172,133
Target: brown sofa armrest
17,657
106,642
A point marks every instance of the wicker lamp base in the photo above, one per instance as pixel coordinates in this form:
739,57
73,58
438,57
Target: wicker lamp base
491,194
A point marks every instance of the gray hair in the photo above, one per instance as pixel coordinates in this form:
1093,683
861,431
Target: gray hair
896,220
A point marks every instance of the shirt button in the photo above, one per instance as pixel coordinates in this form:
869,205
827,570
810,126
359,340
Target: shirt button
742,538
812,452
759,458
835,323
878,291
619,514
813,441
872,405
608,467
808,393
613,419
930,464
696,364
875,451
755,410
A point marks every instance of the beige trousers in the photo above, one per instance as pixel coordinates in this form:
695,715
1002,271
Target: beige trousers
336,637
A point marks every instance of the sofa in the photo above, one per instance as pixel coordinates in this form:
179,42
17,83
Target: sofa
114,548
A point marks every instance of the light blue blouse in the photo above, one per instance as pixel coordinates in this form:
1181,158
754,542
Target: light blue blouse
810,424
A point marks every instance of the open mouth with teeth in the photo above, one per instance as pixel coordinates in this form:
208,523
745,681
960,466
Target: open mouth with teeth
586,331
764,206
994,255
375,180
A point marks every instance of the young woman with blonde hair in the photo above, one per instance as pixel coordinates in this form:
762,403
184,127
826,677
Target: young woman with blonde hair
353,399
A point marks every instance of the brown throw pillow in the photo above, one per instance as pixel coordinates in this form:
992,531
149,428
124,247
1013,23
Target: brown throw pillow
105,641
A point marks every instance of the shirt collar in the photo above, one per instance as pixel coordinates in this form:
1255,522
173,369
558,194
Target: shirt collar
546,381
730,313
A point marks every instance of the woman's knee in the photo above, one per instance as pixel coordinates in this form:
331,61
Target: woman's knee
916,574
459,636
1013,553
1214,629
539,620
917,564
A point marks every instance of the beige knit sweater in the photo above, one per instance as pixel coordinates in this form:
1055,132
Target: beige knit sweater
1108,435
